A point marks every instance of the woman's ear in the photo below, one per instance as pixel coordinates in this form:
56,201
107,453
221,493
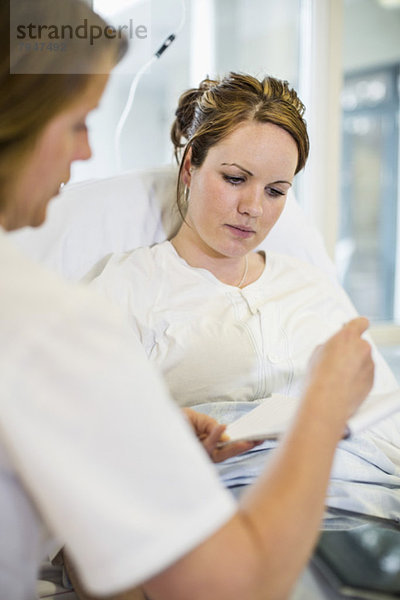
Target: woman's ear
187,168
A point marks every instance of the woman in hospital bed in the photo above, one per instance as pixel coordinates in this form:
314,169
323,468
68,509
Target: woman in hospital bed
229,325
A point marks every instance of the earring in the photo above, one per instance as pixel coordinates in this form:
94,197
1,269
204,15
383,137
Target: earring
186,194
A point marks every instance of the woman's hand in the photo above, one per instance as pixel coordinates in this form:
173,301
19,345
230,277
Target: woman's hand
211,434
343,368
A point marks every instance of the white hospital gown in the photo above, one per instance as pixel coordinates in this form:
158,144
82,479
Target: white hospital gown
225,348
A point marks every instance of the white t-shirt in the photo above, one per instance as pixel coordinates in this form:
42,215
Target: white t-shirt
91,447
225,348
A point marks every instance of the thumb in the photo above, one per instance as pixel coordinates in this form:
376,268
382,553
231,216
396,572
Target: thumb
358,325
213,437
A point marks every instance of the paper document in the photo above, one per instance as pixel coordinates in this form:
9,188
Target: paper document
271,418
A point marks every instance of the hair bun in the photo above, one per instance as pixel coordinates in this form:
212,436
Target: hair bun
182,127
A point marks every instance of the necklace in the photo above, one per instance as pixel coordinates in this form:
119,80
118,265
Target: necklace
246,266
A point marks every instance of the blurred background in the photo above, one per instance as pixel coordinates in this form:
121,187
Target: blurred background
343,57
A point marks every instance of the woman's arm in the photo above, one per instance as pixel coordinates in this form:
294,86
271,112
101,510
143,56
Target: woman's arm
260,553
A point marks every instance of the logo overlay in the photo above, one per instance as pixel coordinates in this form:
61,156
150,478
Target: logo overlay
61,41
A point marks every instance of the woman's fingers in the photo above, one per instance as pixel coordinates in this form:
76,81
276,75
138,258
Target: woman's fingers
229,450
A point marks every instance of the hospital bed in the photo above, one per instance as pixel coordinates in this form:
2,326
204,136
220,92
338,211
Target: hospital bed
94,218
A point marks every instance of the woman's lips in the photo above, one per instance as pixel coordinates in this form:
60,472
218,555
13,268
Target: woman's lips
241,231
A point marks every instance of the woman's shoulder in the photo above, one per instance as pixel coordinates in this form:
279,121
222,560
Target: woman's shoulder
291,275
145,261
285,264
133,280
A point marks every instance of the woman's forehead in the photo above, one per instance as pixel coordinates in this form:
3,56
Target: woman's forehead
90,97
256,143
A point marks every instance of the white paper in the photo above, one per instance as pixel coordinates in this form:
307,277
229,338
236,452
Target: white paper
268,420
271,418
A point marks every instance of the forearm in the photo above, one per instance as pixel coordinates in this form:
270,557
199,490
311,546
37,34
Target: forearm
262,551
286,505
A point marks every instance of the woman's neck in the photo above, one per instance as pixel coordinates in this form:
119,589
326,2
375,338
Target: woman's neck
237,271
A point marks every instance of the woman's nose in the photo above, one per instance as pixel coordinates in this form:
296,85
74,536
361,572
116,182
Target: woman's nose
83,150
251,203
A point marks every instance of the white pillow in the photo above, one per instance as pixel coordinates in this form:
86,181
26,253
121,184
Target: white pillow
89,220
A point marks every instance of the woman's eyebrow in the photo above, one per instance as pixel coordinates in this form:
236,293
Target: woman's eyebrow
251,174
282,181
238,166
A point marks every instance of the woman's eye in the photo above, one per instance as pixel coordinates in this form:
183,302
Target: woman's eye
233,180
274,193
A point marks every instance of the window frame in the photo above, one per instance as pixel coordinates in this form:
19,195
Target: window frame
320,85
